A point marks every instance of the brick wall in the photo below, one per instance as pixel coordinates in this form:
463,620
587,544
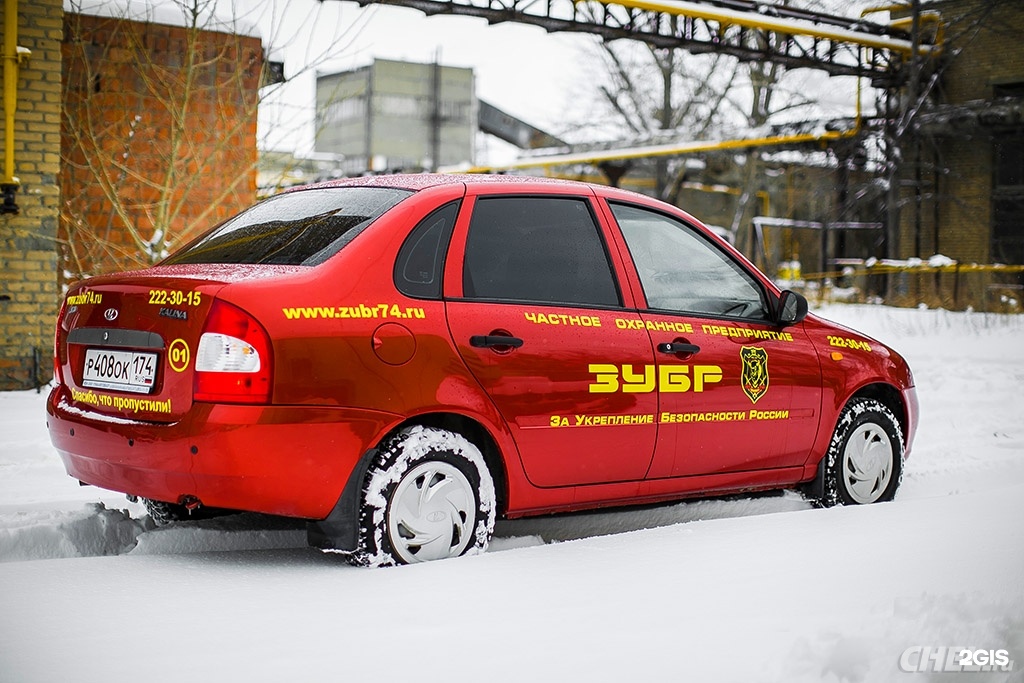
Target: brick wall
159,137
28,259
106,67
987,37
987,34
983,50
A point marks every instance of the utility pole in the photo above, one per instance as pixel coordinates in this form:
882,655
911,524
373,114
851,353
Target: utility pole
901,111
435,113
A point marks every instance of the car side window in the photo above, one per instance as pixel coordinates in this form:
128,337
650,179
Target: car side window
681,270
539,250
420,262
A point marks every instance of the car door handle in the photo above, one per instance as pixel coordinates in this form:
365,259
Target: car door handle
678,347
483,341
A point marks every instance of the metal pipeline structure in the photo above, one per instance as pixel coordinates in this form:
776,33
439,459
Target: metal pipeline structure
668,150
810,26
750,30
837,45
13,57
598,157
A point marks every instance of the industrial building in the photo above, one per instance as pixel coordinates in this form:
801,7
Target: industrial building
397,116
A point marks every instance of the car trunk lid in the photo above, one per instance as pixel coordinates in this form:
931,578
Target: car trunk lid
126,344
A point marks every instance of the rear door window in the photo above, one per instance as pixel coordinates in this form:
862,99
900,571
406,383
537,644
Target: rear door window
539,250
302,228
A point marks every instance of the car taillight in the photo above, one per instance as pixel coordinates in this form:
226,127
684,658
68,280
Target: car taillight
57,378
233,361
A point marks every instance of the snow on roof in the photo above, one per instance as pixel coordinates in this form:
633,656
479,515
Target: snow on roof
422,181
212,16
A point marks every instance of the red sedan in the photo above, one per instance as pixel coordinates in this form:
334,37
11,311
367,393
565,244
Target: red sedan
400,359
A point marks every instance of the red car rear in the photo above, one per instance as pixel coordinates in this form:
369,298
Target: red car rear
400,359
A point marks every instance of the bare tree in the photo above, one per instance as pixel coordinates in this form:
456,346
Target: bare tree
758,99
663,95
659,94
159,129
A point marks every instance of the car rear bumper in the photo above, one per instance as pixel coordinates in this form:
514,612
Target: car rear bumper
282,460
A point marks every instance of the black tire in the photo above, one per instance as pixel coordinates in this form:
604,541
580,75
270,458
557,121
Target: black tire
864,462
400,524
163,513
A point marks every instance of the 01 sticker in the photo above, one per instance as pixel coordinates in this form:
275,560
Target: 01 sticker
178,355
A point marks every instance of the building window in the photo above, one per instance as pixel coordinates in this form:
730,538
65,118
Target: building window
342,110
1008,199
1008,187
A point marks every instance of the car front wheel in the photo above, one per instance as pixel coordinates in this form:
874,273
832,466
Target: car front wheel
429,496
864,463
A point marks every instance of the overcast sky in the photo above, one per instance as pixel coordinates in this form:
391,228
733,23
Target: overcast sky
548,80
529,73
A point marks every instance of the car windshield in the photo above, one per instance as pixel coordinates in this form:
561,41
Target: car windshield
297,228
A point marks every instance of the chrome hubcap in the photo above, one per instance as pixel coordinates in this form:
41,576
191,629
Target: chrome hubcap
867,463
431,515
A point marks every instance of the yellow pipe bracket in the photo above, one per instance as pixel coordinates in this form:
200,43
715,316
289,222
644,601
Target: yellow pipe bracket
14,56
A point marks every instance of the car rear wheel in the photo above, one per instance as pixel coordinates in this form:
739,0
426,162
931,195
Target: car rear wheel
429,496
163,513
864,463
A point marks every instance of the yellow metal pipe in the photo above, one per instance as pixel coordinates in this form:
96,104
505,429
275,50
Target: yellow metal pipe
10,87
594,158
897,7
761,21
906,24
661,151
933,18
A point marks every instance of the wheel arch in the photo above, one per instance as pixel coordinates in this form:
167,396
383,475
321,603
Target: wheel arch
338,531
890,397
476,434
883,392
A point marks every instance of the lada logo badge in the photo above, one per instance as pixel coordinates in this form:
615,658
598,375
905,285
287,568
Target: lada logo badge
110,314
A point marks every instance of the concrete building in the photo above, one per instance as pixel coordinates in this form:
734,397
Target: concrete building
390,116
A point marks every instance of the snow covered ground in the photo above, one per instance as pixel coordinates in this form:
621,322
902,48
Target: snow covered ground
745,589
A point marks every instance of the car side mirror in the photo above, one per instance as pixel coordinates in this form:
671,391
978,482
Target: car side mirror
792,308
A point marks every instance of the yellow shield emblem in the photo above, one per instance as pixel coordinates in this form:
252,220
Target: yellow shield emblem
754,379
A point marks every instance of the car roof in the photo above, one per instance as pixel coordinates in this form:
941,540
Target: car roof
423,181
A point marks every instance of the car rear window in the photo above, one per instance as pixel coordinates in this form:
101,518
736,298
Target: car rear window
302,228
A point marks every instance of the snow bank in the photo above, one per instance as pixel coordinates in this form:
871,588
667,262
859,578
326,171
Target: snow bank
737,589
93,530
970,439
229,533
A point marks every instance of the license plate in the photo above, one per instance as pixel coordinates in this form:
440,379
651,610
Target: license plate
119,370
